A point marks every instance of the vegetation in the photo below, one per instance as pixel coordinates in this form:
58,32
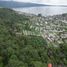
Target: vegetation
18,49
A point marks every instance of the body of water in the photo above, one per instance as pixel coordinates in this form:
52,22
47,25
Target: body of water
44,10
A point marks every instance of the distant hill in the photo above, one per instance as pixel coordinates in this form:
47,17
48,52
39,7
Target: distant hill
14,4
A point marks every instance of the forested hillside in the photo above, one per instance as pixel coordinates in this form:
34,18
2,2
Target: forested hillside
22,45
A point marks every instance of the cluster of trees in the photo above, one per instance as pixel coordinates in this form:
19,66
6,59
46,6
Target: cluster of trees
25,50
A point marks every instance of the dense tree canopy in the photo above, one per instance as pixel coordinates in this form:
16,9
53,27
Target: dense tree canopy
19,50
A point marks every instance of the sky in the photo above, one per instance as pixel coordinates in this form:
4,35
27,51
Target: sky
52,2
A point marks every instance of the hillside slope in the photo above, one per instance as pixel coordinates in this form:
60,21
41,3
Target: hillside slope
22,42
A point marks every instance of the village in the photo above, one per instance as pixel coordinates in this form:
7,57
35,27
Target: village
52,28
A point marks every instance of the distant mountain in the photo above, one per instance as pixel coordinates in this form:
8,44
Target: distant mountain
14,4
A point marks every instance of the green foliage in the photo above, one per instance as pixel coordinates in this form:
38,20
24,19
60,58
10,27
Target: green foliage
19,50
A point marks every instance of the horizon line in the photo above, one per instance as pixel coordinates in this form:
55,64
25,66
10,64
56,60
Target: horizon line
60,5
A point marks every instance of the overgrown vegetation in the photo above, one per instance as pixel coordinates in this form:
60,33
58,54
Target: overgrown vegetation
20,50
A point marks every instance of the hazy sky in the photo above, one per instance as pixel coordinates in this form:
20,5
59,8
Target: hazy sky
63,2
